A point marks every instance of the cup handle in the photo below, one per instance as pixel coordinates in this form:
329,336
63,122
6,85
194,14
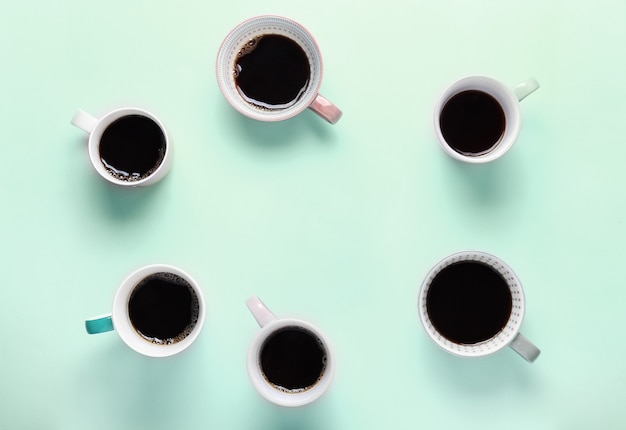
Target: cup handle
99,324
261,313
526,88
525,348
84,121
324,108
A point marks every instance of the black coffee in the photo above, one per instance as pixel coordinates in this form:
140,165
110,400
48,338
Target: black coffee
163,308
293,359
472,122
468,302
272,72
132,147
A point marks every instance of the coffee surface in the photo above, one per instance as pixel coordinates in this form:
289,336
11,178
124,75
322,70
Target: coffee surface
293,359
468,302
272,72
163,308
132,147
472,122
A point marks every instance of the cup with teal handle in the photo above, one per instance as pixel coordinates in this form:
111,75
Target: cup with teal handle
158,311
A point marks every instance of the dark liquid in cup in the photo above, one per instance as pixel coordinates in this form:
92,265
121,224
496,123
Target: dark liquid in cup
468,302
293,359
132,147
472,122
163,308
272,72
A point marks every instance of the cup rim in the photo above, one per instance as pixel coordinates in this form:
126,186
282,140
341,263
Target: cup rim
225,58
507,100
268,391
94,146
121,320
499,341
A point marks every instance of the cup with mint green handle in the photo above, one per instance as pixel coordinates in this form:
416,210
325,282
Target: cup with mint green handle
158,311
477,118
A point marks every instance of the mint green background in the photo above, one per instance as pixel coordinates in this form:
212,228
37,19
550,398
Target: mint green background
335,224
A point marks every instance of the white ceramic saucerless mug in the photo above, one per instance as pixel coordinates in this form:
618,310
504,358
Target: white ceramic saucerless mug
291,355
508,335
97,127
507,98
248,32
158,309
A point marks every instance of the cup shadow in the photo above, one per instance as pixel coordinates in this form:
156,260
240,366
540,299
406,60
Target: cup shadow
118,203
492,183
281,134
310,417
484,375
157,385
112,201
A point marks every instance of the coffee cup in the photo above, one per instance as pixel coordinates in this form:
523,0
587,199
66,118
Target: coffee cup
127,146
269,68
477,119
290,362
158,311
471,304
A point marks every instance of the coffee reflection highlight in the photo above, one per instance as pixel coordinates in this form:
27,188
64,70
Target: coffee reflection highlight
271,72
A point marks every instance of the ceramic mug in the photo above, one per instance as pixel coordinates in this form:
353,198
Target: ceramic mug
471,304
477,119
296,71
158,311
128,147
290,361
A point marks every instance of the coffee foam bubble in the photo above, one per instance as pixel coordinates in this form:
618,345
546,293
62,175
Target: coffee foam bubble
115,158
124,176
307,388
195,308
298,390
247,48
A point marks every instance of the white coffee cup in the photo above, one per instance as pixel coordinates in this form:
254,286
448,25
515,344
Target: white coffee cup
120,320
270,326
96,127
273,25
507,99
509,335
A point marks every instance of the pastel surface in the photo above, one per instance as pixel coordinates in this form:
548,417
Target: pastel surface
334,224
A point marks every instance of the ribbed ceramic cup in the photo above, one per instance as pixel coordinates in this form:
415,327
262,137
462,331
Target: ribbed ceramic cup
509,335
273,25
